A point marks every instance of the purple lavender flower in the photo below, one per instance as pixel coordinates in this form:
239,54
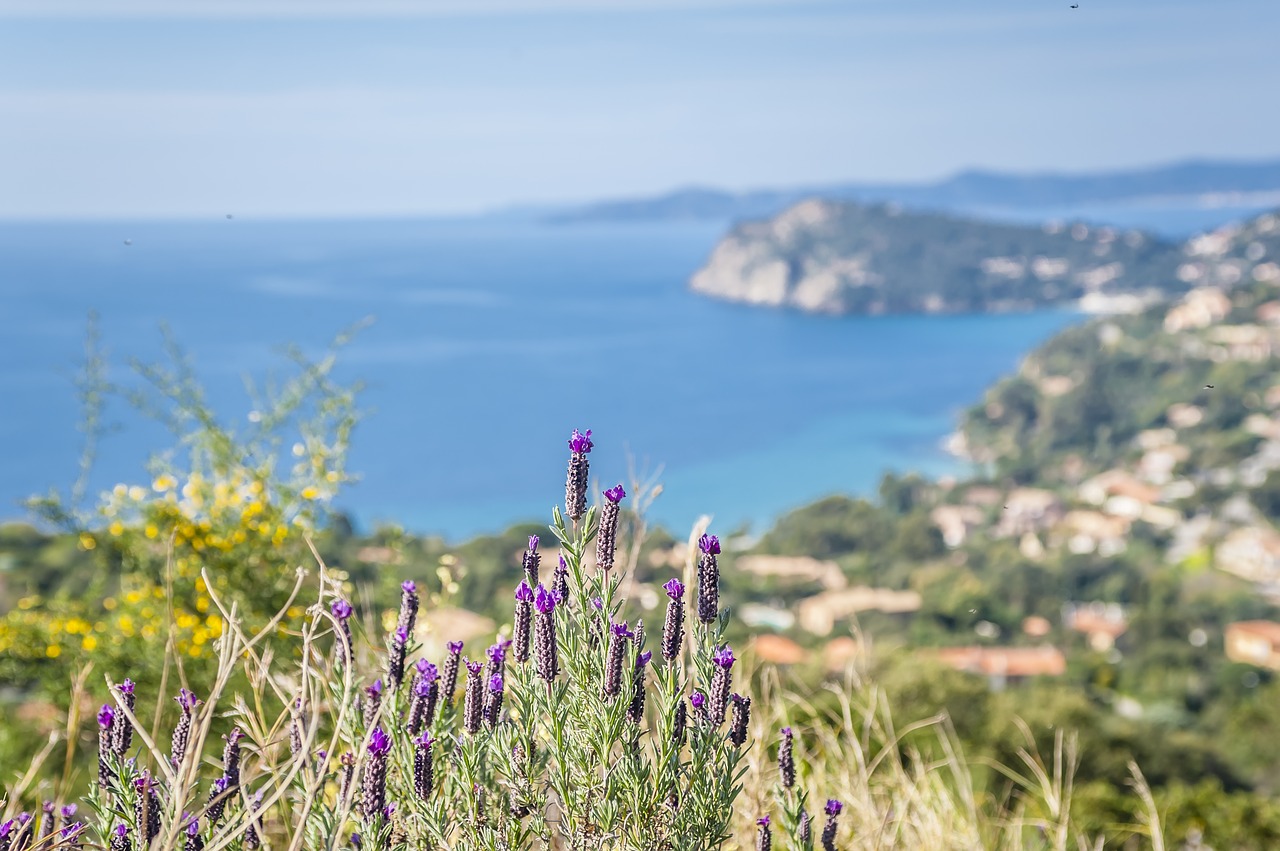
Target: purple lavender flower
146,809
373,785
187,702
72,836
106,718
219,792
678,722
194,841
473,704
575,487
497,655
297,735
635,711
423,770
253,830
493,702
395,657
673,626
764,837
613,660
372,702
346,644
68,811
607,533
346,775
698,701
544,635
721,684
49,821
806,829
741,719
424,693
120,839
560,581
530,561
523,620
231,758
449,684
787,759
408,615
708,579
16,833
833,809
122,727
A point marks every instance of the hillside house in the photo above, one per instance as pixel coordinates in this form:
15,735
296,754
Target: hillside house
1200,308
1003,665
1253,643
1252,553
956,522
1101,623
1250,343
1092,531
818,614
1029,510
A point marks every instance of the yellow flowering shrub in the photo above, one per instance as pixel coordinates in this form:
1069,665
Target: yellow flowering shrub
236,510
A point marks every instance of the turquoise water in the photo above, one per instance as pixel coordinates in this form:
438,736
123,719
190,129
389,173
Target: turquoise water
493,340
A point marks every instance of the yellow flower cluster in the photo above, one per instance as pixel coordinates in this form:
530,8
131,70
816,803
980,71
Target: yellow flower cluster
237,526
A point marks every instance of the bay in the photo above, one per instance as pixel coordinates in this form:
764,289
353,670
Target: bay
491,341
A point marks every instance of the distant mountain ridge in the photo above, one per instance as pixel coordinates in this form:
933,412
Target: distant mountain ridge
967,191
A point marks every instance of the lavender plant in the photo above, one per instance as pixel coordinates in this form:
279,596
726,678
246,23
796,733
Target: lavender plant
569,734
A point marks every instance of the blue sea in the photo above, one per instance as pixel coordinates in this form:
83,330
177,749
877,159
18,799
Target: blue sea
491,340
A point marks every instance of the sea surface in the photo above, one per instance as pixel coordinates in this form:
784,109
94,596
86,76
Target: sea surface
491,340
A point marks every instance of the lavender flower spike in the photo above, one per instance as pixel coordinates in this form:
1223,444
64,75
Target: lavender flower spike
741,719
408,615
613,660
523,621
560,581
187,702
635,711
493,702
607,534
231,758
342,611
721,683
673,626
373,785
449,683
121,726
146,809
219,792
120,839
423,770
764,837
708,579
786,759
544,635
575,487
106,717
473,703
530,560
833,809
395,657
372,702
194,841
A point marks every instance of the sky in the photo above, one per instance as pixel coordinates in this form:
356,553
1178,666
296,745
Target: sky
181,108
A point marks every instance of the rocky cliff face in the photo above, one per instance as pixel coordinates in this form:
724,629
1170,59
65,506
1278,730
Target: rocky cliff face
832,257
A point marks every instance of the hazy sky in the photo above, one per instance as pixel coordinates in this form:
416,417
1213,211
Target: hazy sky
369,107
